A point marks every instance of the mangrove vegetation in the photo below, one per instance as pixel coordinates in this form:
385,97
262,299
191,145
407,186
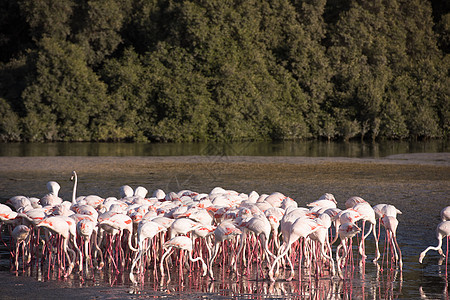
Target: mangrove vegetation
223,70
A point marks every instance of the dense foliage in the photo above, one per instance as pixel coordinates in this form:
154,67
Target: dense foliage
224,70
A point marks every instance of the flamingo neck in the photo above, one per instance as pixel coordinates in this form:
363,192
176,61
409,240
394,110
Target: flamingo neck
74,192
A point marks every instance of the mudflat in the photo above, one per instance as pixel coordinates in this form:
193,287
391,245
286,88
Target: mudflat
264,173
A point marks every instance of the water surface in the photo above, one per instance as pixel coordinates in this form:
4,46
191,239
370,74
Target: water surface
289,148
419,190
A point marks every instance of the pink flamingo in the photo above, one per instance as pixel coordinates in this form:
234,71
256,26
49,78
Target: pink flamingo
87,229
226,230
352,201
18,202
59,226
146,231
21,235
199,215
383,209
301,228
183,243
391,224
445,214
165,221
442,231
183,226
346,216
91,200
118,223
288,202
126,191
275,199
321,236
86,210
8,216
116,226
346,232
368,214
62,209
204,233
274,216
52,197
327,200
260,226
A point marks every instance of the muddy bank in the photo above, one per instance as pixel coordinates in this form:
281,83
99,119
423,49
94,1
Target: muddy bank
134,163
301,177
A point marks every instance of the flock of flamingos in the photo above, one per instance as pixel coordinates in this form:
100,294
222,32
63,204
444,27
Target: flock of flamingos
138,233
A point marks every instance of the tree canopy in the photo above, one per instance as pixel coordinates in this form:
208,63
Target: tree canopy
223,70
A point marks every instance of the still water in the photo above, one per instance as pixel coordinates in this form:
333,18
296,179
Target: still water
291,148
420,192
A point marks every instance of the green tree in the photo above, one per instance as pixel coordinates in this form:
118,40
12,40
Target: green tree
130,90
359,53
97,27
65,98
9,123
48,18
179,96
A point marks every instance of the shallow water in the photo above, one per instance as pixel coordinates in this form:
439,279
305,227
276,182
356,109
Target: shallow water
420,191
287,148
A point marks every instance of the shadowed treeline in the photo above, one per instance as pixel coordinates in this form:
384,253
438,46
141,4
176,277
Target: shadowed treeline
219,70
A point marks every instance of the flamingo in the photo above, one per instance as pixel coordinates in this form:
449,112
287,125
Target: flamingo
368,214
86,209
226,230
87,229
183,243
19,202
21,235
352,201
390,210
126,191
326,200
391,224
204,233
348,215
275,199
140,192
159,194
288,202
8,217
445,214
442,231
62,209
200,215
260,226
321,236
346,232
52,197
183,226
118,223
59,226
274,216
91,200
146,231
301,228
